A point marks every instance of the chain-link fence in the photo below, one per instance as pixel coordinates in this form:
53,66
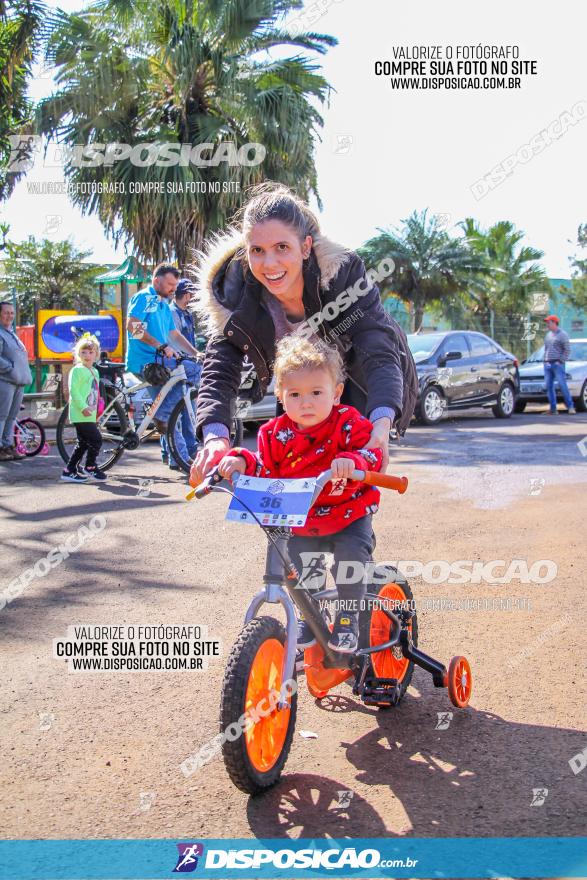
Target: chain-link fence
518,333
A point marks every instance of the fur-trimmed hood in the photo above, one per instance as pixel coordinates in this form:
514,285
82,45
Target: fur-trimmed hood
219,279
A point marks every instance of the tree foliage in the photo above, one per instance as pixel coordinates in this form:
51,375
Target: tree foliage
185,72
23,26
430,265
54,273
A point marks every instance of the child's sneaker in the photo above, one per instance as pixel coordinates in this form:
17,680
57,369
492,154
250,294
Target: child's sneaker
306,637
73,477
345,635
95,473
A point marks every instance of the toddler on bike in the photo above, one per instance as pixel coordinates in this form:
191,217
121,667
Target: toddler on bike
317,432
83,409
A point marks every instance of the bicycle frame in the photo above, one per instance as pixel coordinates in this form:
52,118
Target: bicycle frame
178,375
279,589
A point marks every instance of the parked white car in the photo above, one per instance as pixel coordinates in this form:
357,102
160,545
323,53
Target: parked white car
532,383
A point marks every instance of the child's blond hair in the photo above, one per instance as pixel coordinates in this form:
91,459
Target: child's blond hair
86,341
297,353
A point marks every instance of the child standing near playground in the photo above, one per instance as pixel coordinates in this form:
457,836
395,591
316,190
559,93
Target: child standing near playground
83,410
317,432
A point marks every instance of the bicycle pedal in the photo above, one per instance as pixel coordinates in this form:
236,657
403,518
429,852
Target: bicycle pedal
380,690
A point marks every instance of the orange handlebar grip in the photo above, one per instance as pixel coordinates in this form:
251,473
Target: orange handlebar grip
386,481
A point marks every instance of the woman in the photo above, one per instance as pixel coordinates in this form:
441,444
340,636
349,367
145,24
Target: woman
278,274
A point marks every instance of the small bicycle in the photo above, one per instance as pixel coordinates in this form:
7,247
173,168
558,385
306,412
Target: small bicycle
29,437
123,427
262,664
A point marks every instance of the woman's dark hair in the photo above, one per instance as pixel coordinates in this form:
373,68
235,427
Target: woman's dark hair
274,201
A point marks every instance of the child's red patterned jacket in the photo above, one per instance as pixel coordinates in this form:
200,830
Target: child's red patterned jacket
286,451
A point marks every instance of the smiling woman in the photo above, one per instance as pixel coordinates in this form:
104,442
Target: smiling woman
268,273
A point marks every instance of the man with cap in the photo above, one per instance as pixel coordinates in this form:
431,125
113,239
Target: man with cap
182,318
557,350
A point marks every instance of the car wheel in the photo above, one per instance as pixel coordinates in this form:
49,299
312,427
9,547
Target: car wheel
431,407
520,406
581,402
506,402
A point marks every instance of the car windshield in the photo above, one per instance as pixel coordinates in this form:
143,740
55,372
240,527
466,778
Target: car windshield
422,345
578,353
537,355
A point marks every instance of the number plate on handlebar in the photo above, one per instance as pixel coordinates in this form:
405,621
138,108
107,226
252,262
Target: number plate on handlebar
274,502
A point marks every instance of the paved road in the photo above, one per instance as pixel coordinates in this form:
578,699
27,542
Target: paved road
98,754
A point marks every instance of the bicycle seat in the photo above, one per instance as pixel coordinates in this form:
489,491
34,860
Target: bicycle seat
112,369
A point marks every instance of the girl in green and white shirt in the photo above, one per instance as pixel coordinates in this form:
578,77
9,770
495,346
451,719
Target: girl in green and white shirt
83,411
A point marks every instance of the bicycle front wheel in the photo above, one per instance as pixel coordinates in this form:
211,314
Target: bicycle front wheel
179,449
30,435
257,733
112,425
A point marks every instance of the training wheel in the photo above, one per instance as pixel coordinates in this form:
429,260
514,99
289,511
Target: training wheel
459,682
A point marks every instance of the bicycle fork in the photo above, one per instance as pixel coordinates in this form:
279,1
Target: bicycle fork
275,592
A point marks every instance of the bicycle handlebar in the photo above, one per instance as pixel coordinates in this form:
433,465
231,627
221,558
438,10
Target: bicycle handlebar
372,478
178,356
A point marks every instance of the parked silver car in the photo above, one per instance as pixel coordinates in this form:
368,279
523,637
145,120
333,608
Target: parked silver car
532,384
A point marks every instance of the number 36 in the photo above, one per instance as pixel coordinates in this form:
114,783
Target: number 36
267,501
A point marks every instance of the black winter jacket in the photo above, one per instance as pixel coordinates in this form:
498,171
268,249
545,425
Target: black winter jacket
230,309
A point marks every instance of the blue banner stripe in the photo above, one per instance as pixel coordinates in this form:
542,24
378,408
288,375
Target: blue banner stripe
152,859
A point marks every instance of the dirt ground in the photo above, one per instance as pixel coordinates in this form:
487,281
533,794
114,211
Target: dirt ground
98,754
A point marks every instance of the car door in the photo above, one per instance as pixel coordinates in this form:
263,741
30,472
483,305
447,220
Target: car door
455,376
484,366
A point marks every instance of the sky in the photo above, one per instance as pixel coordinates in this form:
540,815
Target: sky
385,152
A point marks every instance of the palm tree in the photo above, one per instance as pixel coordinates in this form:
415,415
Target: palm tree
23,24
186,72
54,273
510,274
429,264
577,295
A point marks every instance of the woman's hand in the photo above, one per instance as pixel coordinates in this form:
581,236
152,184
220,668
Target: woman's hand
342,468
231,464
87,411
380,440
207,457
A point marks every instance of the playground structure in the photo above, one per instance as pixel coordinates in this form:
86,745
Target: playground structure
49,341
50,338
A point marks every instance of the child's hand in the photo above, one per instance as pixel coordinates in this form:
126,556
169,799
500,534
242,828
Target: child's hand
342,468
87,411
231,464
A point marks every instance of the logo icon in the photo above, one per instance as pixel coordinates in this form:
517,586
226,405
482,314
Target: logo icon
344,798
538,796
187,860
276,488
147,799
539,302
22,152
444,719
313,571
536,486
343,145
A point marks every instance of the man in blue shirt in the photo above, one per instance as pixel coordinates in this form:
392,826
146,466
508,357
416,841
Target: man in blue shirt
184,322
149,325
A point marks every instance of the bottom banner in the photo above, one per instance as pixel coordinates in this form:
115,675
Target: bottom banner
496,857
